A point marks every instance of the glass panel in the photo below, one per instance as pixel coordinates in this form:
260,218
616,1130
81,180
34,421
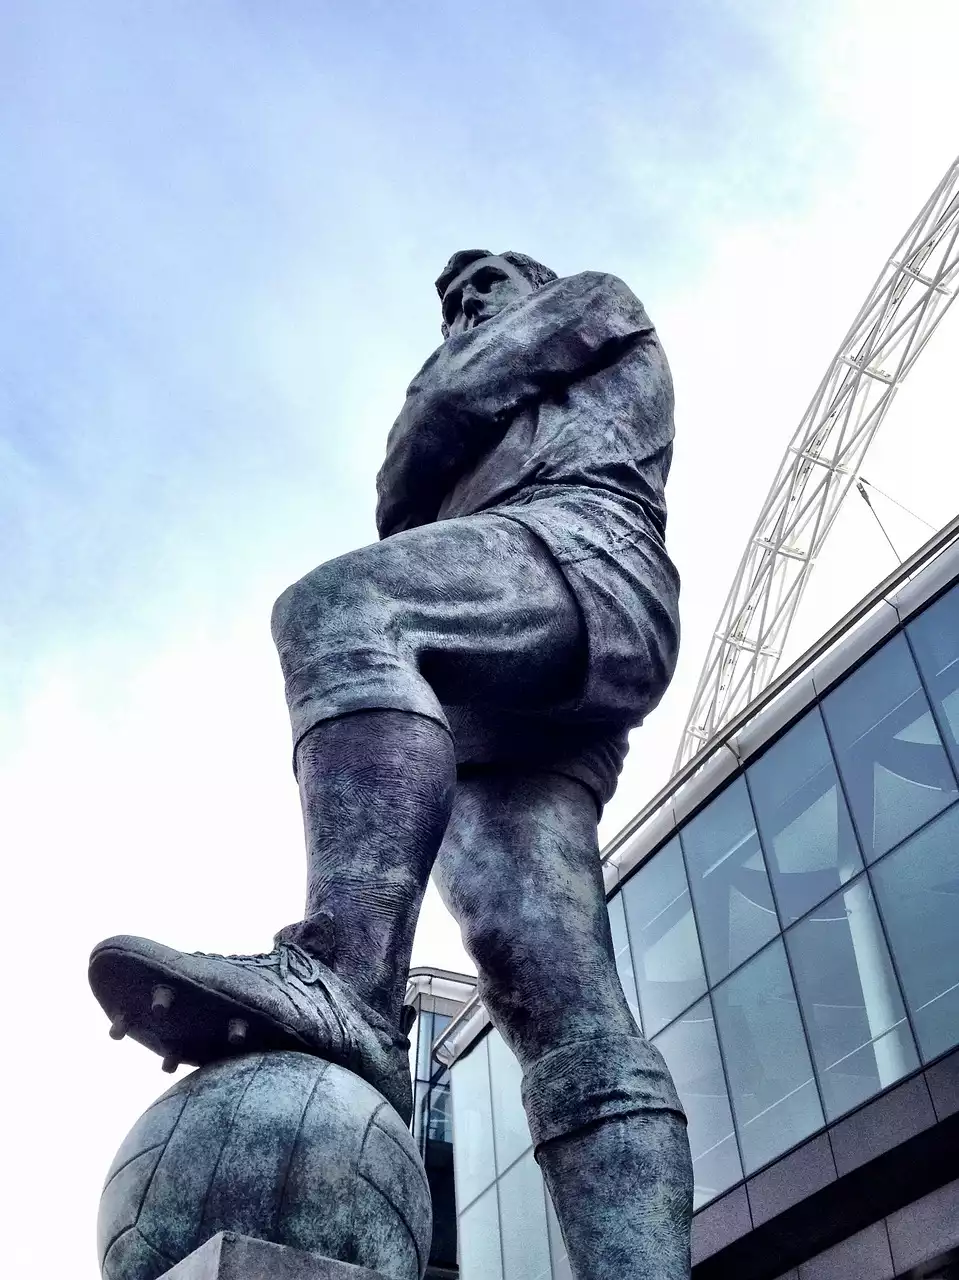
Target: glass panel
510,1129
692,1055
414,1040
624,963
559,1259
803,819
918,892
472,1125
667,959
855,1018
523,1214
727,876
440,1022
423,1050
935,639
420,1110
774,1095
479,1240
890,755
440,1122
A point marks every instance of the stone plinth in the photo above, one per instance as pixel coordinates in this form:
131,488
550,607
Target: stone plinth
233,1257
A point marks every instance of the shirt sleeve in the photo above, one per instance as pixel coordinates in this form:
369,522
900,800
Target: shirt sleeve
630,405
465,395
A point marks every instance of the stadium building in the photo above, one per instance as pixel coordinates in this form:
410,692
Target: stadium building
785,912
436,996
786,921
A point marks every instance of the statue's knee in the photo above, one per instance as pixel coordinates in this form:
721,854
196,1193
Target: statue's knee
510,977
484,936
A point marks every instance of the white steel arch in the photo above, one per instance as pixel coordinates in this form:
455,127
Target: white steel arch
822,463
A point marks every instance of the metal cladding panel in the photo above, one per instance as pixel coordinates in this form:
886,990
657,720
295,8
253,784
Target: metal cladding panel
703,785
882,1124
926,1229
930,582
796,698
864,1256
795,1177
720,1223
943,1081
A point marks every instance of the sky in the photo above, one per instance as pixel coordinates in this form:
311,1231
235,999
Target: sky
218,236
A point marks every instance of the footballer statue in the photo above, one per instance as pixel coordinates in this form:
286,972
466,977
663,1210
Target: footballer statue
460,695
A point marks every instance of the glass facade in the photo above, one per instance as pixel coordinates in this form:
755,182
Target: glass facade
507,1229
771,1087
793,950
887,745
433,1123
917,887
732,897
432,1119
854,1013
803,818
691,1050
667,962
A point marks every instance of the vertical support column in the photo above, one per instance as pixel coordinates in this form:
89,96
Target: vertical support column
879,990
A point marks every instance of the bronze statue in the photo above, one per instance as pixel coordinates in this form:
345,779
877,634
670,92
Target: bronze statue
460,695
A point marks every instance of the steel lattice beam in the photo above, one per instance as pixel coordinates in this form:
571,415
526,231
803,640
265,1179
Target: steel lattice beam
823,461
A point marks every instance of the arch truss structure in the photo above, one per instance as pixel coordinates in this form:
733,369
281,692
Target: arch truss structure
822,464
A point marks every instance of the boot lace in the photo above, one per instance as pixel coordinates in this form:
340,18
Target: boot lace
286,958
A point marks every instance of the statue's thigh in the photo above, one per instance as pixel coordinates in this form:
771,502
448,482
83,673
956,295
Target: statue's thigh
476,603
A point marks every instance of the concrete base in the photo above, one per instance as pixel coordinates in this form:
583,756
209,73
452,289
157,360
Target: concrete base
231,1257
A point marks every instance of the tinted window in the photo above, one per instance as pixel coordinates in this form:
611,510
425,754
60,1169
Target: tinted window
850,998
727,876
918,892
440,1022
692,1055
523,1218
439,1113
803,820
666,955
890,755
426,1037
935,639
624,963
472,1124
510,1130
774,1096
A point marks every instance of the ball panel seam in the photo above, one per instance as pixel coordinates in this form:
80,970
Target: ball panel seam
135,1230
399,1145
289,1164
227,1130
154,1146
399,1213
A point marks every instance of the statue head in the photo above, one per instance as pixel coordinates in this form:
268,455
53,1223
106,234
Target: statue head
476,284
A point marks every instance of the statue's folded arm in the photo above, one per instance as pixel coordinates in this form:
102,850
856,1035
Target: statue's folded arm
468,391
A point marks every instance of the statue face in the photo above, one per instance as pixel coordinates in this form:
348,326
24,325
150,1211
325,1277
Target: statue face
481,291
